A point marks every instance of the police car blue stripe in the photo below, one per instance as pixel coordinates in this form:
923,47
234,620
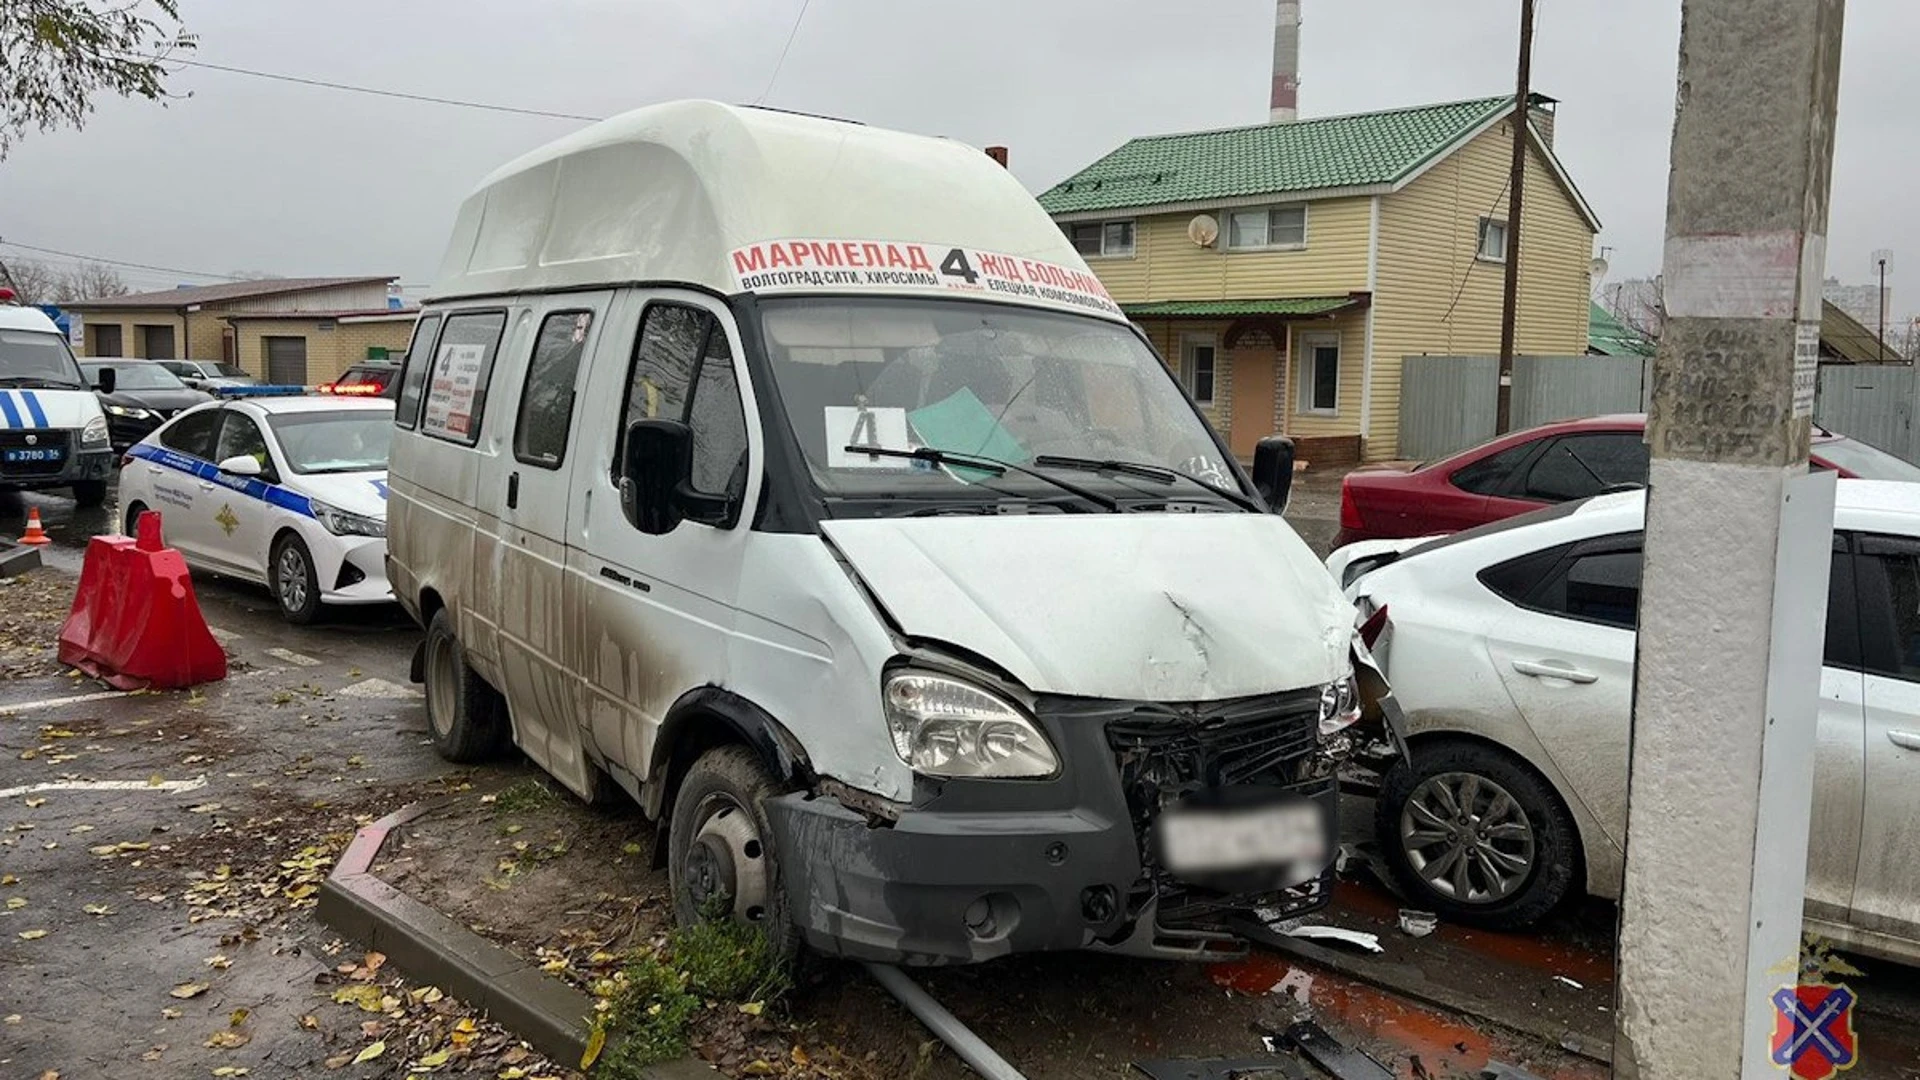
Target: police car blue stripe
33,408
251,487
6,408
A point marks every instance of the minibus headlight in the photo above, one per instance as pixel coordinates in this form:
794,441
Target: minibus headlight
1339,706
942,726
95,433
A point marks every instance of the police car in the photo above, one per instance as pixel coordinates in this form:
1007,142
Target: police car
52,432
289,492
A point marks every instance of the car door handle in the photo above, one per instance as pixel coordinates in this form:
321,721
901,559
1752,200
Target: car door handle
1905,740
513,491
1554,669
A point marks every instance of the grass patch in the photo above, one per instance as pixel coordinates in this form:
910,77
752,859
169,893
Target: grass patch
523,796
648,1009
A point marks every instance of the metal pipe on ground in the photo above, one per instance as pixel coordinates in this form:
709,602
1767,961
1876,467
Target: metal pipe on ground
958,1037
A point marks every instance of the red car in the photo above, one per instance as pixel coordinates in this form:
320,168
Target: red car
361,380
1529,469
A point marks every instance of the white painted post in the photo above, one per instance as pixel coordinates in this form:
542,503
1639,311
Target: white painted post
1737,552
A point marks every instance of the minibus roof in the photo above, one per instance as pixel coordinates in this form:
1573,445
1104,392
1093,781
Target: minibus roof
754,200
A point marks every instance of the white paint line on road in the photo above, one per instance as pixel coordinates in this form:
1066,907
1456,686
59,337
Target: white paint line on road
379,688
294,658
54,703
224,637
164,786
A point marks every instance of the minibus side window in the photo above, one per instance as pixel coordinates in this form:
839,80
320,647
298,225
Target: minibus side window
456,397
671,341
413,376
719,423
546,402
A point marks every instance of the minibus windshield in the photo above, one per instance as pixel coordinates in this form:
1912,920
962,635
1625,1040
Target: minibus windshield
1028,388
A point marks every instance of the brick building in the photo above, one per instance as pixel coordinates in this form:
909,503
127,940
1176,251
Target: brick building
284,330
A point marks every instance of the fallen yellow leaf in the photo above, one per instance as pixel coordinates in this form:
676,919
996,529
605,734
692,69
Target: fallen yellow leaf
228,1040
759,1067
188,990
230,1070
13,1018
433,1060
15,903
218,962
753,1008
32,935
237,1017
372,1051
595,1043
310,1023
34,804
97,909
170,1014
9,879
513,1072
364,995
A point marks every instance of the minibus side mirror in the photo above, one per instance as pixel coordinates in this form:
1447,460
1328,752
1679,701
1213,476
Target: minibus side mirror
659,458
106,380
1273,471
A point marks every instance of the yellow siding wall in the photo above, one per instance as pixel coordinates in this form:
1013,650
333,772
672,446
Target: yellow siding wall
204,331
329,352
1165,335
1352,331
1429,232
1166,265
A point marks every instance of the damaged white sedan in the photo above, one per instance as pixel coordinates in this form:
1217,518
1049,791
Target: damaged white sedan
1511,647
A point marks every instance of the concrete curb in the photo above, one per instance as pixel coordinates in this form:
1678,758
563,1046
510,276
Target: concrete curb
431,948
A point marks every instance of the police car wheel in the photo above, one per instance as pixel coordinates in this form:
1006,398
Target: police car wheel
465,717
1475,835
290,573
88,494
721,860
134,510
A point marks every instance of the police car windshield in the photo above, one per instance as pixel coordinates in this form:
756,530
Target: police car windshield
343,442
30,358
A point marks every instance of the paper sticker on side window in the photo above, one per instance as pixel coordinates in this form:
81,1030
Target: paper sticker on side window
451,395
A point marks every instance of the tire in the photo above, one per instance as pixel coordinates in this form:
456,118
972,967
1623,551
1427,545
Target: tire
134,510
88,494
1417,833
720,848
465,716
290,575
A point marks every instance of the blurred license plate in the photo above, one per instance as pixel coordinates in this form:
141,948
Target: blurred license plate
1200,841
51,453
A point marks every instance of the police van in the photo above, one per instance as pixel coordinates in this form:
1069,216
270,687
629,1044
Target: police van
52,432
798,480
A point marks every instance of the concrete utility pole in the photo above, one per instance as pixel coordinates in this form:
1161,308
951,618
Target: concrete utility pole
1738,547
1516,188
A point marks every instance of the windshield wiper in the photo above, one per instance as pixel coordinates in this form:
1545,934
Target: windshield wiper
992,466
1150,472
40,382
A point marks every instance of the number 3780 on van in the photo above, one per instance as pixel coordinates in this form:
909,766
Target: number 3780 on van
797,480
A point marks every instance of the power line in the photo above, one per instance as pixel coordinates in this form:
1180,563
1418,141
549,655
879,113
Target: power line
383,93
119,262
784,50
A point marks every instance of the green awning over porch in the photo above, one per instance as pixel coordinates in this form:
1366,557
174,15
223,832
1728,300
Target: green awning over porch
1290,307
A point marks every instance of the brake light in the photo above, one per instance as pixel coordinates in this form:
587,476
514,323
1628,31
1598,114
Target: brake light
1371,629
1349,509
126,460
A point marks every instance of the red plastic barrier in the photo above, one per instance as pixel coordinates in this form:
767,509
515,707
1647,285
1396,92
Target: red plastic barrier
135,622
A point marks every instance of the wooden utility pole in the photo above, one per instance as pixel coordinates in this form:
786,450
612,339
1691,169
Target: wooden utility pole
1516,187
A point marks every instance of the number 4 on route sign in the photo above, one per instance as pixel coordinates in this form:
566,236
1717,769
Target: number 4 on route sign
1813,1030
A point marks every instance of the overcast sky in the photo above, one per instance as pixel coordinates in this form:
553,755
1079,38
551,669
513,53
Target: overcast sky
248,174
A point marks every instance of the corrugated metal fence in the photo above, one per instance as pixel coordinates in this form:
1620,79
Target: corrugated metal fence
1447,402
1873,403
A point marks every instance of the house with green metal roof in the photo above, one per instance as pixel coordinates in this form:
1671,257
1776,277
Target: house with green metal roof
1286,269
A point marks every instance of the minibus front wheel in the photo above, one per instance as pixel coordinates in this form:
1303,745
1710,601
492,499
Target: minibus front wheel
721,858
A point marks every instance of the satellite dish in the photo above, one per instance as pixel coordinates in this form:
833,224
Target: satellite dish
1599,268
1203,230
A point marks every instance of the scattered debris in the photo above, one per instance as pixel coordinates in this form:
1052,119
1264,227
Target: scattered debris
1418,923
1342,1061
1322,932
1569,982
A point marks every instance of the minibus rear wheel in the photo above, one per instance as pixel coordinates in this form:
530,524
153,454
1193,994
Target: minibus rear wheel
464,714
721,857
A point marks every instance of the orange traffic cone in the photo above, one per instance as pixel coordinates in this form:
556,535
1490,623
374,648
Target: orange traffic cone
35,534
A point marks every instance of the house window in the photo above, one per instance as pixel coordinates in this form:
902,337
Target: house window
1196,367
1267,227
1320,373
1101,239
1493,239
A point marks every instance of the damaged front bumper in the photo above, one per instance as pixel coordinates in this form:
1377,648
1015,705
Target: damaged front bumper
976,869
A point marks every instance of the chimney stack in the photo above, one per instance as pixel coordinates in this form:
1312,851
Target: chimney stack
999,154
1283,105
